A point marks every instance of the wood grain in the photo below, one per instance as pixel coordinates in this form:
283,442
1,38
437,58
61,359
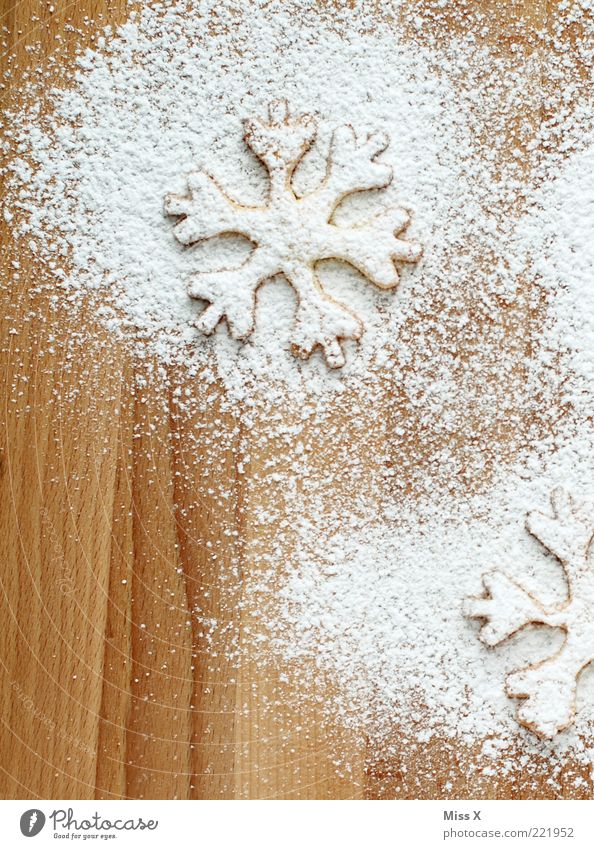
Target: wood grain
108,686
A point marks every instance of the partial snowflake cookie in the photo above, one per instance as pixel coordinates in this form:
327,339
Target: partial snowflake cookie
547,689
291,234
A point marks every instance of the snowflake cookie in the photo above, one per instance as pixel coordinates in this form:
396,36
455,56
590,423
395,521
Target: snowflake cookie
548,689
291,234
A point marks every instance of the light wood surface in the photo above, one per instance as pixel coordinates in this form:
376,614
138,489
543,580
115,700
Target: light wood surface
106,687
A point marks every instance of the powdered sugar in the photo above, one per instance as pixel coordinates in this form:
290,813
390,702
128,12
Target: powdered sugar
175,91
293,233
548,688
472,387
384,605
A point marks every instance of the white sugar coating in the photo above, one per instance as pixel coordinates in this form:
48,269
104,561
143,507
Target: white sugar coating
556,234
382,606
373,596
167,97
292,233
383,609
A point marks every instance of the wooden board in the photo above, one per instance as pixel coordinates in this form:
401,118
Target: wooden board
106,686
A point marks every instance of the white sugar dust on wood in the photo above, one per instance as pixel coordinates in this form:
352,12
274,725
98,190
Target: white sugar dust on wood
548,689
450,382
135,125
292,234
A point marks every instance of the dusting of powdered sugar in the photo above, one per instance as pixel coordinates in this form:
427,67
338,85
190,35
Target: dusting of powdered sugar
167,96
556,235
471,389
381,603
